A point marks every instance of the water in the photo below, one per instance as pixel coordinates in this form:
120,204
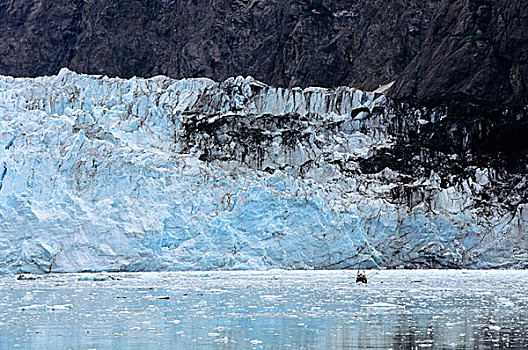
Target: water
266,310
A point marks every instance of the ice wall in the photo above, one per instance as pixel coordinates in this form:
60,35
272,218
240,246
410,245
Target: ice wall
159,174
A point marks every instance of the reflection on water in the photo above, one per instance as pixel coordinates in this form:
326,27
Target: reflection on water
266,310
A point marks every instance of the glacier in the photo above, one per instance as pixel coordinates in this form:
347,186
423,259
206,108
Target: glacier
107,174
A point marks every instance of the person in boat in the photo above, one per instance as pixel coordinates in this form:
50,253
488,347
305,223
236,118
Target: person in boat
361,277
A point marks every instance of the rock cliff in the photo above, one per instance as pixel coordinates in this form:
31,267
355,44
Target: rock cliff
475,55
438,51
283,43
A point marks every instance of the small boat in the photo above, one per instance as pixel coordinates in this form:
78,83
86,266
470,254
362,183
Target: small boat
361,277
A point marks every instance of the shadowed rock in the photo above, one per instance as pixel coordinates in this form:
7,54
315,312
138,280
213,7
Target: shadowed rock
475,55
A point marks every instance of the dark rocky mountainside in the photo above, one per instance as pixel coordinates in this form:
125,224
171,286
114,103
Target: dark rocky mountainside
287,43
436,50
475,52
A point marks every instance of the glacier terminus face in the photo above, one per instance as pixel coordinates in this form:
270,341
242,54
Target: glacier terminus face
101,173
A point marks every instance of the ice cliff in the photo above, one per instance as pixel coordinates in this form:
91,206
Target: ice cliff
101,173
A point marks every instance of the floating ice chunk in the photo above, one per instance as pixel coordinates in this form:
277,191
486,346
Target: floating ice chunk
60,307
46,307
271,297
505,302
384,305
32,307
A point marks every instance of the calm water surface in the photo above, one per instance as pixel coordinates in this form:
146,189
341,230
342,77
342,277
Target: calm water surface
266,310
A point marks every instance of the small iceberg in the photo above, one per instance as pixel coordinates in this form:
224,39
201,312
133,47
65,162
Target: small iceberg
384,305
46,307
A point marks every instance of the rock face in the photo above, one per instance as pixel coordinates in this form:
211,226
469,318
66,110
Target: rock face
160,174
284,43
475,52
438,51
